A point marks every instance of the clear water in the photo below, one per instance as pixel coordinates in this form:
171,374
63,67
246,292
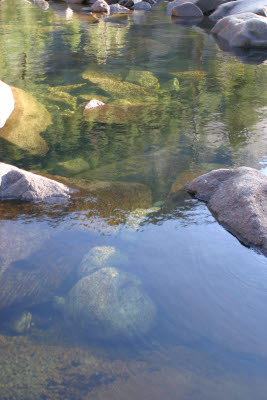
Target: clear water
209,337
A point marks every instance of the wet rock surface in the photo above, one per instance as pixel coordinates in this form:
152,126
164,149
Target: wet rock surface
187,10
238,7
18,184
238,199
100,6
110,303
246,30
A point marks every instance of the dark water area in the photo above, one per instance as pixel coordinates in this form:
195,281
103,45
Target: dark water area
178,107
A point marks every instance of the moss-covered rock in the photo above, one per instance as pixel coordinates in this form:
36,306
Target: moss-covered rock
124,114
72,167
25,124
109,201
110,303
143,78
113,85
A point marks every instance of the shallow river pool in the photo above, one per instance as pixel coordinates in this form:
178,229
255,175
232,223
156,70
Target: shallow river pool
178,107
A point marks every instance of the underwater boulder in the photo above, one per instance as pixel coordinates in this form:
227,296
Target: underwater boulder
113,85
108,304
100,257
142,6
143,78
6,103
109,202
25,124
121,114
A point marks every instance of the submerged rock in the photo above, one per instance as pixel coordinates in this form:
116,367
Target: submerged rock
6,103
116,114
18,184
109,201
143,78
93,104
100,257
72,167
113,85
142,5
238,199
25,124
110,303
138,216
20,323
246,30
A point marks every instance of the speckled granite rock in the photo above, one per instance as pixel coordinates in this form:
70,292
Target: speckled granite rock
245,30
16,183
110,303
238,199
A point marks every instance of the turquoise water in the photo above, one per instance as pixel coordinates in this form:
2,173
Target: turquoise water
178,107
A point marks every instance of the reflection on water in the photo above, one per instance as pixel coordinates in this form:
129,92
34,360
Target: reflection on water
177,106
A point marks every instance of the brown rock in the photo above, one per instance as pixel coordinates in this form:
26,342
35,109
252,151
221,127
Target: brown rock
238,199
100,6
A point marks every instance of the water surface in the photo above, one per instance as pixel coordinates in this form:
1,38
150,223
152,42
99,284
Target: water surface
179,107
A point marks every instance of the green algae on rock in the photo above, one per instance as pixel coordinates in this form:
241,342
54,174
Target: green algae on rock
110,303
25,124
124,114
74,166
143,78
110,201
113,85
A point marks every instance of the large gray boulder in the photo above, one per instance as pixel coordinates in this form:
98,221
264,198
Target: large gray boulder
15,183
246,30
238,200
187,9
109,303
7,103
206,6
238,7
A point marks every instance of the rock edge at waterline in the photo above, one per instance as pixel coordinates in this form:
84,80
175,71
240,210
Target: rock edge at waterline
16,183
238,200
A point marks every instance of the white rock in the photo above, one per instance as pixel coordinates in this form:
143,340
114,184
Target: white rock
94,104
6,103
